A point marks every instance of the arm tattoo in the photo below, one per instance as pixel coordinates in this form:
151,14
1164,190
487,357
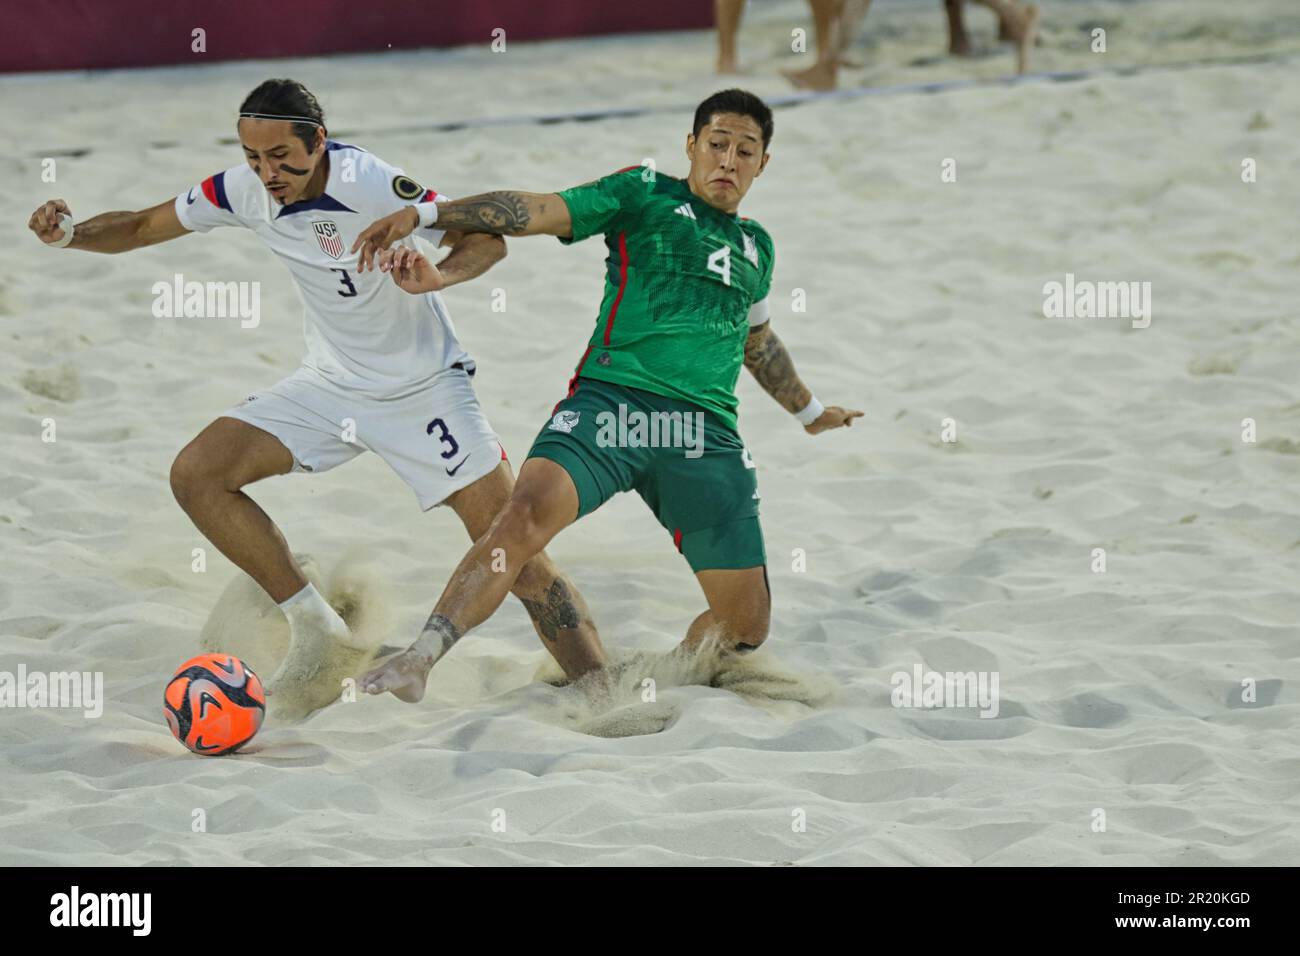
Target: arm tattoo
771,365
556,613
500,213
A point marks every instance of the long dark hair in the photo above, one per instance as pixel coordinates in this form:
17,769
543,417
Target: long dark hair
287,98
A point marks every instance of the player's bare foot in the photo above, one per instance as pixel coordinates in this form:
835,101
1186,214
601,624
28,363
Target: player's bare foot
820,76
404,676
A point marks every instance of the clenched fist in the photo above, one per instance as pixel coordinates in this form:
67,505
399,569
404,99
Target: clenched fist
45,221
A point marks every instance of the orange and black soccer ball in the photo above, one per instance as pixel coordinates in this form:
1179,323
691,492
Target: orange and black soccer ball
214,704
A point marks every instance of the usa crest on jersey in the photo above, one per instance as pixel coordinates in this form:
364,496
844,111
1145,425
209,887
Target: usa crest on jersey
327,233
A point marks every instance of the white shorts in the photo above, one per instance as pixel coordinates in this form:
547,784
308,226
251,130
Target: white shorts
436,438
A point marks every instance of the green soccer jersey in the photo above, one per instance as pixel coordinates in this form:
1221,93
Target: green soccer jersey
680,280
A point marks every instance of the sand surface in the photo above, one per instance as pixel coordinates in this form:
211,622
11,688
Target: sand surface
1119,691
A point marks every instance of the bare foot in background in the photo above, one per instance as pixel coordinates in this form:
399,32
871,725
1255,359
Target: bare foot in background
1024,31
727,17
958,39
819,76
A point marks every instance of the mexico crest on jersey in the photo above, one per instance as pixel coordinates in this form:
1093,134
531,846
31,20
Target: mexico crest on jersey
564,421
327,233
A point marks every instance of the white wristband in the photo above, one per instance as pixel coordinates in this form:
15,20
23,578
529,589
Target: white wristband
811,412
428,213
65,223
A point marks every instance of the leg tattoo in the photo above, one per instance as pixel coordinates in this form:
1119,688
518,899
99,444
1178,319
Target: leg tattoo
556,613
437,638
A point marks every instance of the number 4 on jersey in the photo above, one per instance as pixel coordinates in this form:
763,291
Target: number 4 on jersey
720,262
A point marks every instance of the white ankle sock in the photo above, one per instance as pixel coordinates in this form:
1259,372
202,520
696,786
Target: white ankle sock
308,612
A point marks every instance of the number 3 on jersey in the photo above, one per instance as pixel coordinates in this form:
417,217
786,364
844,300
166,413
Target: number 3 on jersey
720,262
347,283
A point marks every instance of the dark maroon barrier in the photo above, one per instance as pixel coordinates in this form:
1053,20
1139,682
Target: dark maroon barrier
100,34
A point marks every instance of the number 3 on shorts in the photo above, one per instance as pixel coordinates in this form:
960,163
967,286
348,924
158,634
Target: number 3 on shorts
444,436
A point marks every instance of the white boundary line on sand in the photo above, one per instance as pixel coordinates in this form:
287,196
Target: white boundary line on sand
792,99
795,99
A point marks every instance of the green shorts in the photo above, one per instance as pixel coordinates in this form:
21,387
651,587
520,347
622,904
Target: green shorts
686,464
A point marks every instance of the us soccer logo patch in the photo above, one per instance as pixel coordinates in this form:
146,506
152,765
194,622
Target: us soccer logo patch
327,234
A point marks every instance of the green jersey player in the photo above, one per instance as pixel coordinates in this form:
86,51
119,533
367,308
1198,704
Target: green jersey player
651,407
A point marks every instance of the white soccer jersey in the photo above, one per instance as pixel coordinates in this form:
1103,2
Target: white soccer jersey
362,331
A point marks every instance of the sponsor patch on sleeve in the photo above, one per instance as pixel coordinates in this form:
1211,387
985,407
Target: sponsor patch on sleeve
404,187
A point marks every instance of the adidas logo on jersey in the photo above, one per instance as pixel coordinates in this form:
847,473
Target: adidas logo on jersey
685,210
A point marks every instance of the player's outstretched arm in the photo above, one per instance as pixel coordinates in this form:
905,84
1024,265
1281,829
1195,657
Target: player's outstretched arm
499,213
771,365
508,213
109,231
470,256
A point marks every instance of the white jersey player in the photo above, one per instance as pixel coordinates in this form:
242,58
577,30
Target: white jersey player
383,372
382,360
